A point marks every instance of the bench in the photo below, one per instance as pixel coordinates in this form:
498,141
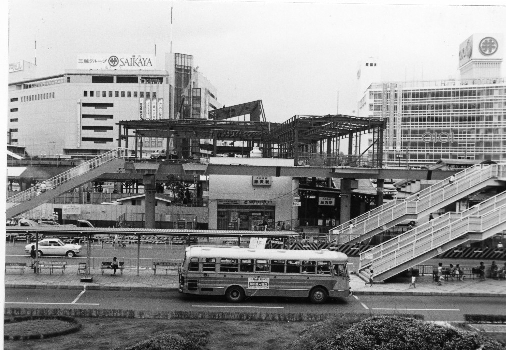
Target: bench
57,265
107,265
165,265
15,266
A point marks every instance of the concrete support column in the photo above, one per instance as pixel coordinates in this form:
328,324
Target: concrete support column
149,182
379,190
345,200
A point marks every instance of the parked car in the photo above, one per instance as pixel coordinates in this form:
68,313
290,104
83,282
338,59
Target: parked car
54,246
158,154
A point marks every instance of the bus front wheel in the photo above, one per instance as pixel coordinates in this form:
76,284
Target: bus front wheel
235,294
318,295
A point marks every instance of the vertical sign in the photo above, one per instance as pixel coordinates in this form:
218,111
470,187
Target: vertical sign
153,109
79,123
141,109
160,108
148,108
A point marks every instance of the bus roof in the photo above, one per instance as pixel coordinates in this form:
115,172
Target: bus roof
276,254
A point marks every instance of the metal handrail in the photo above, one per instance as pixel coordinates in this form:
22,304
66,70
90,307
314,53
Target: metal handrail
442,221
419,201
70,174
435,233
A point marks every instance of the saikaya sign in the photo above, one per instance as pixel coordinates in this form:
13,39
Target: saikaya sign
116,61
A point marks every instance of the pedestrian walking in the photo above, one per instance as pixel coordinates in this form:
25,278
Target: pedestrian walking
371,278
413,274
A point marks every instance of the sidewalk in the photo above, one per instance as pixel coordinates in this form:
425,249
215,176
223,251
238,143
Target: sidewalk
147,280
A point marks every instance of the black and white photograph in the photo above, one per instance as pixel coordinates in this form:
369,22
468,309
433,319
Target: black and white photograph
254,175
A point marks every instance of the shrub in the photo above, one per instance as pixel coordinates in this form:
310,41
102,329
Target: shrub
164,341
390,333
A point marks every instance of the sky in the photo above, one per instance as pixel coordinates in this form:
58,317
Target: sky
295,56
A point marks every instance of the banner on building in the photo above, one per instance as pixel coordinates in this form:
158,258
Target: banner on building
160,108
148,109
257,242
153,109
116,61
141,108
261,180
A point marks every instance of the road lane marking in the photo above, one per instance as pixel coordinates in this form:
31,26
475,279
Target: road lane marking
34,303
76,299
244,306
361,303
400,309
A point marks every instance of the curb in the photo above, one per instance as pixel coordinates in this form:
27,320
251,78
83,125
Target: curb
459,294
174,288
175,314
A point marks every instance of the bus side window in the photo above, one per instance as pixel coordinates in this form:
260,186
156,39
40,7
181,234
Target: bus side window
229,265
278,266
262,266
323,267
193,265
308,267
209,264
246,265
292,266
339,270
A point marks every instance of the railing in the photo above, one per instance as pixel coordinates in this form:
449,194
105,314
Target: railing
68,175
434,234
418,202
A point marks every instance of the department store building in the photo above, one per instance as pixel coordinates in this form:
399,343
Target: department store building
444,119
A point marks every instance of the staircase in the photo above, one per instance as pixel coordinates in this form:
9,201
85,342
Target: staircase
435,237
31,198
420,204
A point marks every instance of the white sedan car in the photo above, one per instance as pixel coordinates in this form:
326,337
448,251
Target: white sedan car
54,246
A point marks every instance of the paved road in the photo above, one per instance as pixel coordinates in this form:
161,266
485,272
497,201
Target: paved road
436,308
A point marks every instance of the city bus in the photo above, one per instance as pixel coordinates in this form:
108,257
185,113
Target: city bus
238,273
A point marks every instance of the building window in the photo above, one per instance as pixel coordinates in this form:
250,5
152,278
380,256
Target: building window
100,79
147,94
116,93
14,99
135,93
14,109
98,94
122,93
14,120
85,94
104,93
91,93
68,79
141,94
110,93
129,93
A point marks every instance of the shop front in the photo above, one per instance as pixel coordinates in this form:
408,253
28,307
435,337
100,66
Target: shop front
251,215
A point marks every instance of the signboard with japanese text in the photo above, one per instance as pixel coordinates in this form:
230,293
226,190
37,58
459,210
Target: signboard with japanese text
16,67
481,46
258,283
257,243
326,201
261,180
141,108
147,114
71,209
160,108
116,61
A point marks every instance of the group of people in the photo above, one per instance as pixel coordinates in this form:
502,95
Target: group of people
453,271
496,272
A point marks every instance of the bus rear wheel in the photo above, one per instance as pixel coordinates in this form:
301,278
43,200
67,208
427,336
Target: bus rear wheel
318,295
235,294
